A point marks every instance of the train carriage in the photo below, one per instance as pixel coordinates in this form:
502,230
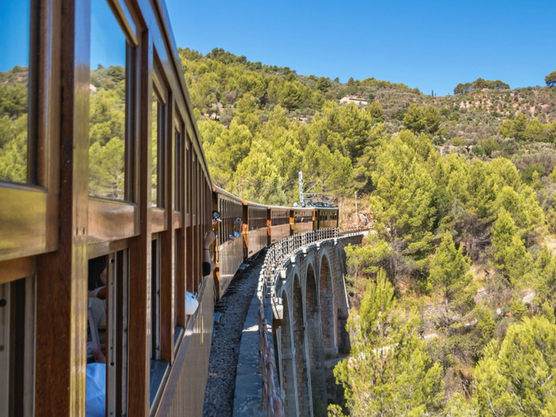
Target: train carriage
326,217
258,227
230,237
103,82
302,220
279,222
104,85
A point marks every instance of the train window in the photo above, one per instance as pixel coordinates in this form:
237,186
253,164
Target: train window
280,217
117,332
17,339
15,30
186,174
107,326
154,148
158,366
157,144
107,112
179,285
178,168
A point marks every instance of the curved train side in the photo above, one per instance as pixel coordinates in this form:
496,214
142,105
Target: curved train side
148,231
248,227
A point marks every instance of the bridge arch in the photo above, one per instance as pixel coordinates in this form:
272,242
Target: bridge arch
310,308
314,337
342,305
327,304
287,360
300,345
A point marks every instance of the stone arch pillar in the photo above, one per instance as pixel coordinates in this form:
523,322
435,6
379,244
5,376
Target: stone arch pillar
288,382
327,308
341,305
314,340
303,371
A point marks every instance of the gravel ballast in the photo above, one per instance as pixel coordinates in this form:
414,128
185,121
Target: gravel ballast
230,313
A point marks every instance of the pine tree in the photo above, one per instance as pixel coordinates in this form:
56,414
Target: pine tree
509,255
390,372
449,273
516,377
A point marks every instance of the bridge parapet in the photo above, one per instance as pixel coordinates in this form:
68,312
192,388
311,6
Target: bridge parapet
301,292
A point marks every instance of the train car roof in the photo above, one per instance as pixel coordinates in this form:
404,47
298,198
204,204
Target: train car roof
258,205
326,207
279,207
228,195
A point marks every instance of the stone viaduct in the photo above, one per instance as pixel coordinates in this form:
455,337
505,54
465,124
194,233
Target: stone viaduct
305,295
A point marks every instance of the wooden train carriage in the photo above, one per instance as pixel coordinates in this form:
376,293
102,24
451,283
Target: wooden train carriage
302,220
326,217
230,253
279,221
258,231
106,164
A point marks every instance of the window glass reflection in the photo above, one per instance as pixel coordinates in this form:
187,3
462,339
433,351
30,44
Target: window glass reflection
177,170
107,113
156,108
15,29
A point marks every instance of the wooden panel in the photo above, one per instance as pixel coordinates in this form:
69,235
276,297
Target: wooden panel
16,269
28,219
185,390
279,232
102,248
140,252
62,275
177,220
230,259
302,227
257,240
158,220
112,220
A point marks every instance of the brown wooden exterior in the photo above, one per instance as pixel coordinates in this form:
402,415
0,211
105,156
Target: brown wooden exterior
279,222
302,219
50,227
326,217
153,242
230,251
259,229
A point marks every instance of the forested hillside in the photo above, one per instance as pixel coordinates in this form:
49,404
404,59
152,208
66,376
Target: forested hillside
453,292
453,306
251,113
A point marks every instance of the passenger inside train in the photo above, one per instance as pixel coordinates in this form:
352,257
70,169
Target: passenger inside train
95,404
96,361
97,291
207,261
237,229
191,302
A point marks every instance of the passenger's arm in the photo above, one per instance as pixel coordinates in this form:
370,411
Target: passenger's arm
207,261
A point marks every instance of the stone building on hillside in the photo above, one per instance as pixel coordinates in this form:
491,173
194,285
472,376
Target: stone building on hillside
359,102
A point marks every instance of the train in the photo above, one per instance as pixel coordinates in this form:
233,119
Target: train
105,163
247,228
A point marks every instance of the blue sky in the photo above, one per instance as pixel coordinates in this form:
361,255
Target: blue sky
14,26
427,44
107,40
430,44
